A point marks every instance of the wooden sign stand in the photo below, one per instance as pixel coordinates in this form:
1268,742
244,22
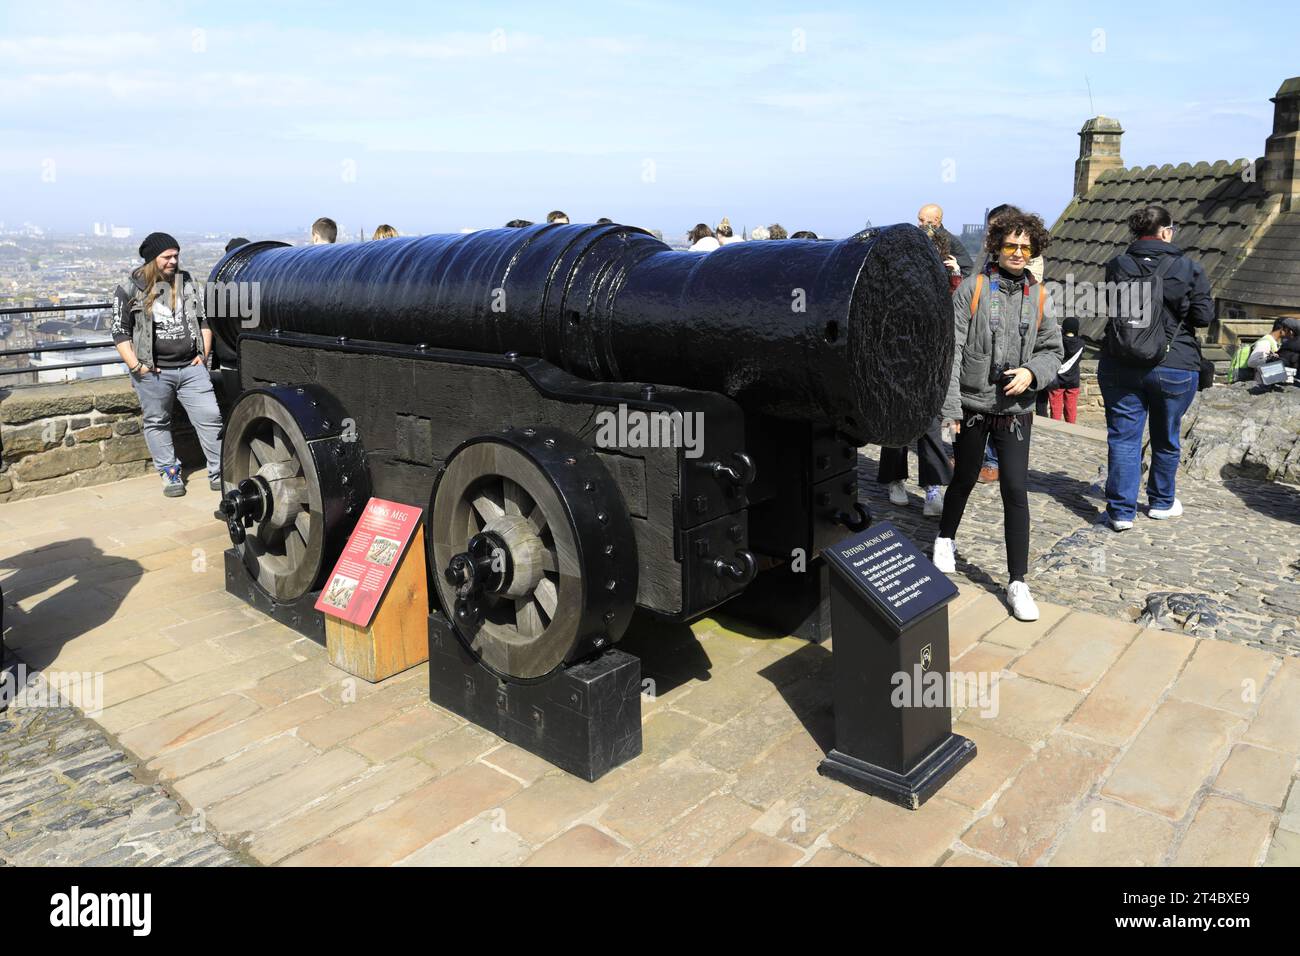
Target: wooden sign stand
398,635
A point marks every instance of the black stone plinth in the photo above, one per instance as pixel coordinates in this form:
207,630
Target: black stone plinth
892,683
584,719
908,790
300,615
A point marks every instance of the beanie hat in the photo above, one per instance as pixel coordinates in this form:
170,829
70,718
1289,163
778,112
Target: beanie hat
1070,326
155,244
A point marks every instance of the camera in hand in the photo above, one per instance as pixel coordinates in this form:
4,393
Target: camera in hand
999,371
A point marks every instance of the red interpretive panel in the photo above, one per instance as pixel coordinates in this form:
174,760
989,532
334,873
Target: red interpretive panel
357,584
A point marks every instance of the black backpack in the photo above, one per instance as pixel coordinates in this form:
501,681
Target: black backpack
1137,331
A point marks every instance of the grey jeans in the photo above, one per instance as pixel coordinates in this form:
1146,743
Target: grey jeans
158,393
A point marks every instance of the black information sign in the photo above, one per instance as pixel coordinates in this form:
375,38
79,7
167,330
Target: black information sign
887,568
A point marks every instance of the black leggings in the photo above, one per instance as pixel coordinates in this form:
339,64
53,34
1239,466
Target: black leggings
1013,470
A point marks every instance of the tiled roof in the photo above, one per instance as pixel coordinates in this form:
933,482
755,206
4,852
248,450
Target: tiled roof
1215,213
1271,273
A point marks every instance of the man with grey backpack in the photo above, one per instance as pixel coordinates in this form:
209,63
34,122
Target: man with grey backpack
1150,363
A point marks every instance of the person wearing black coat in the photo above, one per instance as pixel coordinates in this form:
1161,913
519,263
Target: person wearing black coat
1163,392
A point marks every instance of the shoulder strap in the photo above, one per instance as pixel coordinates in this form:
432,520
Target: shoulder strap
1042,300
975,296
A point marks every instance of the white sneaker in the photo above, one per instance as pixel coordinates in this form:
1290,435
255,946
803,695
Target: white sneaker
1173,511
1022,603
1114,525
945,555
933,502
897,494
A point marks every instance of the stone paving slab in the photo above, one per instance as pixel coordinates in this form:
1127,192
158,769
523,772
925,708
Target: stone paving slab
1099,741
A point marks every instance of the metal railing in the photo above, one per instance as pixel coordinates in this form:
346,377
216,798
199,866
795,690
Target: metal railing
41,349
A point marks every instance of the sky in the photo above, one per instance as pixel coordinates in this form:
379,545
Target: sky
250,118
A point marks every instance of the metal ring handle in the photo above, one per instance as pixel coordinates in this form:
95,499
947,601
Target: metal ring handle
860,523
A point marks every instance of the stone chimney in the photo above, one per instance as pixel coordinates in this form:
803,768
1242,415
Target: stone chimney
1281,172
1098,151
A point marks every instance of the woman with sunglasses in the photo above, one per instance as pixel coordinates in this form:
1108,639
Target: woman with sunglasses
1007,345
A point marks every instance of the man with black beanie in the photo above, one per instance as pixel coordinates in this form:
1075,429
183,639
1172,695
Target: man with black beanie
162,334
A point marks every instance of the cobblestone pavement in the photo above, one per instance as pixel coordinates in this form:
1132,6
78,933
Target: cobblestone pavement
1233,557
69,797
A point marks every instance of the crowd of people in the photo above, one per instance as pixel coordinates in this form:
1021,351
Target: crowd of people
1011,357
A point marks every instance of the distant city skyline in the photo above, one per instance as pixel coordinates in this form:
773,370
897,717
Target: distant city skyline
251,119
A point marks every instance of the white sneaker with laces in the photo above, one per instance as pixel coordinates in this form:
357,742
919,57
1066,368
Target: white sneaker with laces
897,494
945,555
933,502
1022,602
1173,511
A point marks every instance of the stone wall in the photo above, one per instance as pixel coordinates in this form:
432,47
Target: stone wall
58,437
1243,430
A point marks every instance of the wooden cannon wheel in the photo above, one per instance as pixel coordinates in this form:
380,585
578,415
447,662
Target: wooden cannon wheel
555,551
284,549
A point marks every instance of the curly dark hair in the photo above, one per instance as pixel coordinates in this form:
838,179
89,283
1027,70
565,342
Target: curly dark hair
1008,225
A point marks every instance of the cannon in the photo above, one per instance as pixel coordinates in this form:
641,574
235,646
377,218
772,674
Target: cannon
633,428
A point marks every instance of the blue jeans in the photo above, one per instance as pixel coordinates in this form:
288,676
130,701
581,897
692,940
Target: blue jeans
192,386
1130,395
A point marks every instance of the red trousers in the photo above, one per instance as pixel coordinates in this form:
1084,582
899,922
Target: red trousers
1066,399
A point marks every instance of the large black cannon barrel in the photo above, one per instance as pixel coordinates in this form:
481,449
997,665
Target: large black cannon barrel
857,333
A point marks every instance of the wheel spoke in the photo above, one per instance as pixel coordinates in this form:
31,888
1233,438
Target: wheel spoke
527,620
262,451
295,546
283,448
537,519
548,560
547,596
486,507
303,523
513,497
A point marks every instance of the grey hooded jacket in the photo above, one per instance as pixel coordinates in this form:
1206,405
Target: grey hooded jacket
976,348
132,321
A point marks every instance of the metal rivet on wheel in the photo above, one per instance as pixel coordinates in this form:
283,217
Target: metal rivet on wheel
570,461
609,549
609,617
529,432
549,443
602,517
588,486
302,391
611,584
